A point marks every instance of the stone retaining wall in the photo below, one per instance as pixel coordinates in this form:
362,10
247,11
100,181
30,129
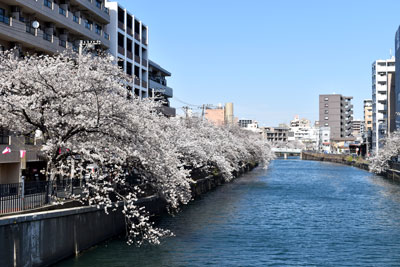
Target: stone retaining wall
46,237
391,174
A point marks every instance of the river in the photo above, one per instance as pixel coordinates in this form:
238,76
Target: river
296,213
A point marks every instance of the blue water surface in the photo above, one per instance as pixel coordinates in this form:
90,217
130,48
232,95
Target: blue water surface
296,213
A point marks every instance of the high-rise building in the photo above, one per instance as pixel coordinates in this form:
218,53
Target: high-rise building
383,80
129,44
336,112
48,26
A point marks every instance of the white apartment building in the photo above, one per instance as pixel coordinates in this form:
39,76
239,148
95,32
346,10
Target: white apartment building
301,130
324,142
129,44
382,83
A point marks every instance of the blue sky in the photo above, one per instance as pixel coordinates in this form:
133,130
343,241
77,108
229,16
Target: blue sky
270,58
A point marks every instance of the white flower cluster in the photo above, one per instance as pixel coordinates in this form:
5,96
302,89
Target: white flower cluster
80,106
379,163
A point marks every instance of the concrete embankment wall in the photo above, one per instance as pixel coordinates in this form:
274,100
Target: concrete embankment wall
43,238
391,174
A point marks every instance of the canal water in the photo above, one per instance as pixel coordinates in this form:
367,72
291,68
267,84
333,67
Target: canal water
296,213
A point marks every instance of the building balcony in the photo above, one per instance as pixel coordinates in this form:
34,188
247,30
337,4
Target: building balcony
137,36
137,59
144,62
160,88
129,55
121,25
136,80
121,50
168,111
101,13
65,19
17,32
129,31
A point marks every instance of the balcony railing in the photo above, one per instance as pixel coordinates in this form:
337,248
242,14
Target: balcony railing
136,80
144,83
47,37
137,59
129,31
121,25
137,36
129,54
144,62
144,41
62,43
30,29
121,50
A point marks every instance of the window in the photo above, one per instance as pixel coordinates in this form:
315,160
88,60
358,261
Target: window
326,99
326,105
98,3
326,111
88,24
62,11
47,3
76,19
98,29
30,139
326,124
3,17
4,136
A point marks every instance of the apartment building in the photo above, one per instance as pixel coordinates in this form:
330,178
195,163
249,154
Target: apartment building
383,81
324,139
336,112
50,26
158,88
276,134
129,45
368,115
243,123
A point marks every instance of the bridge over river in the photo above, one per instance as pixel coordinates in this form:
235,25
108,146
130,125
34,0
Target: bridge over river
285,152
296,213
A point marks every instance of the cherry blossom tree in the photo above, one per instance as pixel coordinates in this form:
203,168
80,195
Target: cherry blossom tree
379,163
85,116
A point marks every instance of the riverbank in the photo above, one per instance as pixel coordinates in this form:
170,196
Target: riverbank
46,237
392,174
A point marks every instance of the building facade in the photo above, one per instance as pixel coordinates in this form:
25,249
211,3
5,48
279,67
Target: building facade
336,112
129,45
220,115
158,88
275,134
51,26
383,81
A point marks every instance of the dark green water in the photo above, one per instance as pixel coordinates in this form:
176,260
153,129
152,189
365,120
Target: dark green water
296,213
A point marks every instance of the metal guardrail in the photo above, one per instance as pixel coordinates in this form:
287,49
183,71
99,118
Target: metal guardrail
16,197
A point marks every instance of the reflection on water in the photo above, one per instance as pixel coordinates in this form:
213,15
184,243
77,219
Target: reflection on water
296,213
